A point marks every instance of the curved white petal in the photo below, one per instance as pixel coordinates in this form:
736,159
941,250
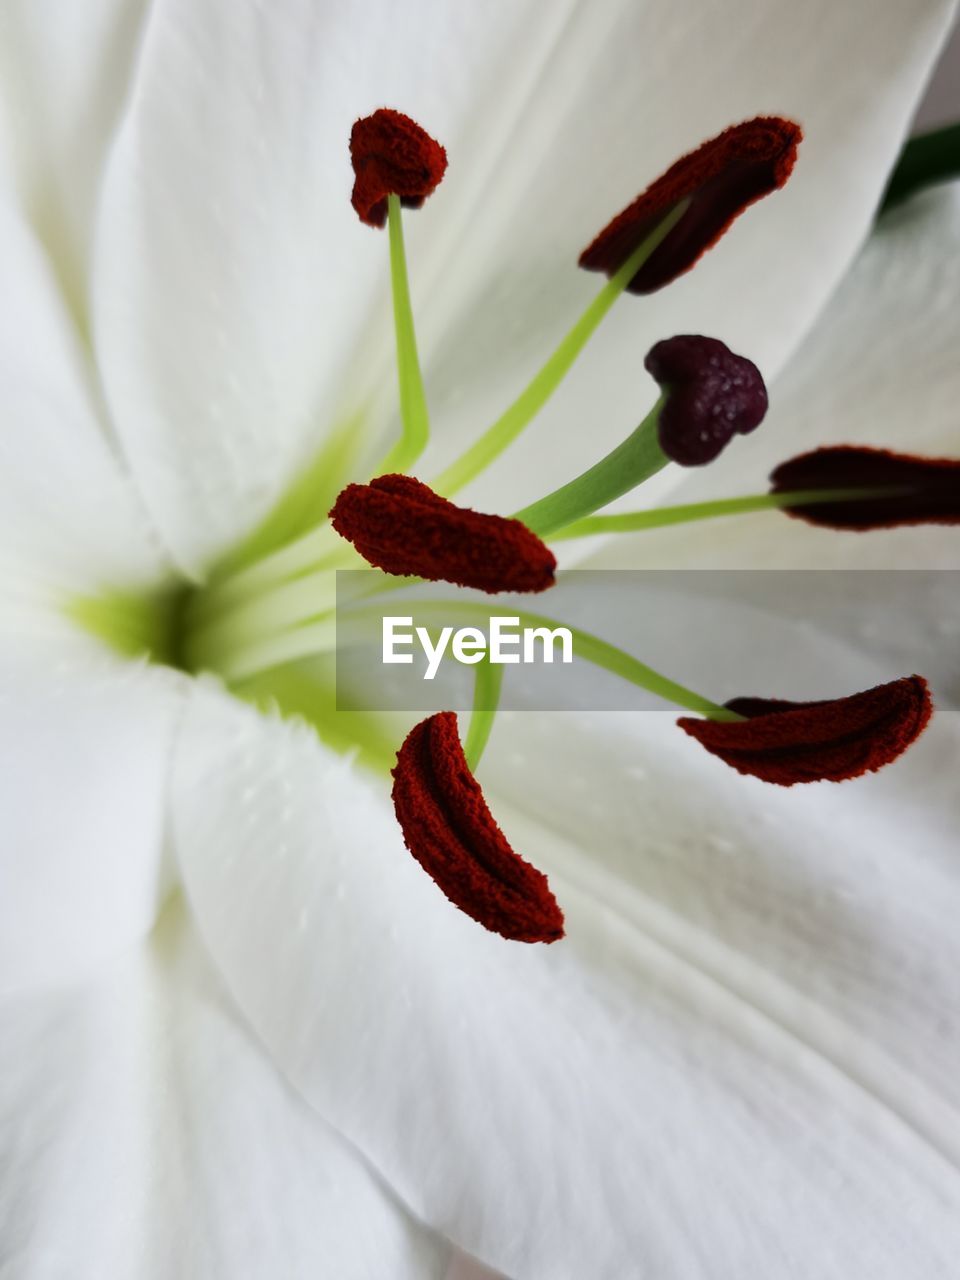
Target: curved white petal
85,745
234,280
241,308
626,90
64,72
880,368
657,1091
145,1134
69,516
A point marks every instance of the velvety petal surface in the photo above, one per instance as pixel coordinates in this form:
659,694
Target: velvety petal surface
145,1133
241,309
741,1053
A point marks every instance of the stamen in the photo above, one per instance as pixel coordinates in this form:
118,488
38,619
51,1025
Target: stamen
711,395
720,179
413,397
449,829
892,488
689,512
789,742
403,527
392,155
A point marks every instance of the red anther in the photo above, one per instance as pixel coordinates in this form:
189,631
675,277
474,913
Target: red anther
401,526
720,179
920,490
392,155
450,831
787,742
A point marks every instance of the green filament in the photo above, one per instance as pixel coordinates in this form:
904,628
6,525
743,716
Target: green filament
683,513
488,680
532,399
413,400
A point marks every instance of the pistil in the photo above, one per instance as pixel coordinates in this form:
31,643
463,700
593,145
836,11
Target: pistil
709,394
637,459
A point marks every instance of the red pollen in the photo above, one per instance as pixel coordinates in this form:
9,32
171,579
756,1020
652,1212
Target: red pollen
788,742
392,155
450,831
403,527
721,178
928,488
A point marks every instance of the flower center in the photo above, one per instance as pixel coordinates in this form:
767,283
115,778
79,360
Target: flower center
266,622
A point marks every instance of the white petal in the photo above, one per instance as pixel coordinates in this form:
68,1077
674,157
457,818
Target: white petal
85,743
146,1134
241,307
626,90
234,279
64,71
653,1092
879,369
69,517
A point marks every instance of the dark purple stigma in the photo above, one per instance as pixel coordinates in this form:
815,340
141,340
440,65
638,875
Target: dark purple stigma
711,396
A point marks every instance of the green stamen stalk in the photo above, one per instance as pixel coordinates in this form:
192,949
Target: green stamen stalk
532,399
488,681
683,513
413,400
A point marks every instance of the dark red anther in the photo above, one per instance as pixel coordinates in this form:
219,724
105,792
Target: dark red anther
720,179
712,395
911,490
787,742
392,155
450,831
401,526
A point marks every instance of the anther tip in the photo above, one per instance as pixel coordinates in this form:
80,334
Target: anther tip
720,179
392,155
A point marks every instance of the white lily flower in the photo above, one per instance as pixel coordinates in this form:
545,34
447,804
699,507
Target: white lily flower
242,1035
